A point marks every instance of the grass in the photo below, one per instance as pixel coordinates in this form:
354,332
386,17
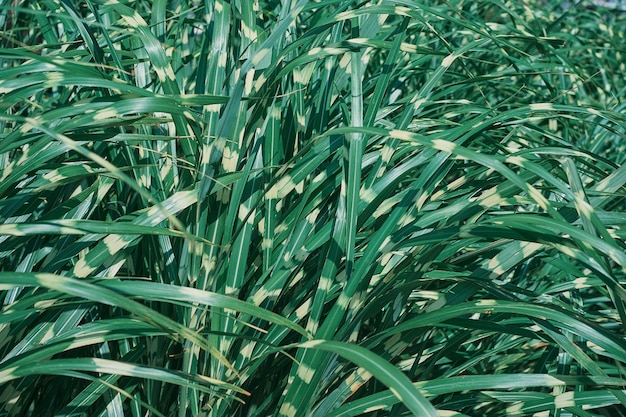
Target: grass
312,208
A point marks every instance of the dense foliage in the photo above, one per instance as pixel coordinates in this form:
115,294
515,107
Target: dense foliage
312,208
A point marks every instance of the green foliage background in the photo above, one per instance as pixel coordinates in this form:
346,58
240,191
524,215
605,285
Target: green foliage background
312,208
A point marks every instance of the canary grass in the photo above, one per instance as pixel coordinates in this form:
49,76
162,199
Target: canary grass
312,208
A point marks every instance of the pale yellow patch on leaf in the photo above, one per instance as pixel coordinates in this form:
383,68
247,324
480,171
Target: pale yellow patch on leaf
105,114
115,243
542,106
279,190
447,61
516,160
229,160
247,350
373,408
368,195
287,410
444,145
82,270
304,309
260,56
401,134
305,373
343,301
396,393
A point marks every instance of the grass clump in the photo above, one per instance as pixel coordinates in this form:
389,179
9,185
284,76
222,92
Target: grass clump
312,208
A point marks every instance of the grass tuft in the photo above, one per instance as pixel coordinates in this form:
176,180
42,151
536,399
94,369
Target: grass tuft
334,208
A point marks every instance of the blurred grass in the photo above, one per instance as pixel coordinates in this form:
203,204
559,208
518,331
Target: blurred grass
312,208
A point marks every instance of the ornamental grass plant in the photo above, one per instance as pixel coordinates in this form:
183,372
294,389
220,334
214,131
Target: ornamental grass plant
312,208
